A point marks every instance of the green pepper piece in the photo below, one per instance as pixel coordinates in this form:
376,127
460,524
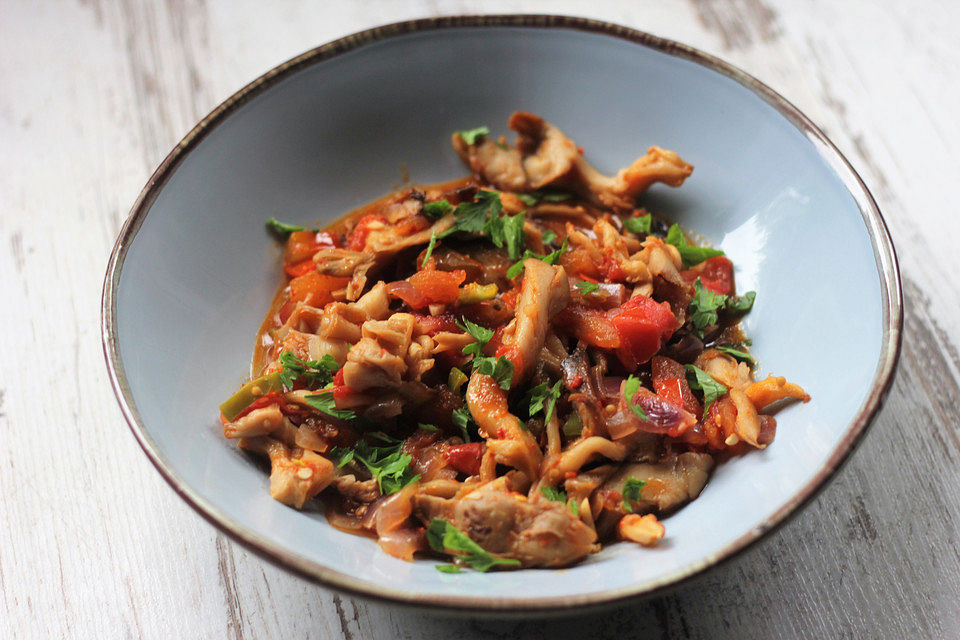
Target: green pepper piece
256,388
474,293
456,379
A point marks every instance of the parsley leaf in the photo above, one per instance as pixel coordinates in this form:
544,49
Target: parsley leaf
587,287
556,495
446,538
513,234
548,236
472,217
543,398
312,373
482,335
470,135
739,354
461,418
388,465
433,243
631,493
742,304
324,402
448,568
639,225
630,388
427,427
543,195
702,381
282,229
501,370
550,258
690,254
704,306
437,209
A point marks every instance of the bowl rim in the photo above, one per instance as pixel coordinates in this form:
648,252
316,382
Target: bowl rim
884,255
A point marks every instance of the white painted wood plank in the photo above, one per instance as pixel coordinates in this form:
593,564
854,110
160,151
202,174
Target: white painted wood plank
92,542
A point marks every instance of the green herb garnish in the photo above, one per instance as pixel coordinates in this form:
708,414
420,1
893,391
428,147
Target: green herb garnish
631,492
437,209
548,236
433,243
690,254
543,195
312,373
639,225
550,258
555,495
470,135
587,287
739,354
448,568
501,370
324,402
388,465
543,398
630,388
446,538
703,381
461,419
482,335
704,306
741,304
281,229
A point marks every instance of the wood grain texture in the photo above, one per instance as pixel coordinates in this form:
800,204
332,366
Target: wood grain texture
93,94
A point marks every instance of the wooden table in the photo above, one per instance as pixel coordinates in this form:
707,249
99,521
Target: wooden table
93,543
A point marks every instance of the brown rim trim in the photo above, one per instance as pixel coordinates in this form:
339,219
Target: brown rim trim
876,227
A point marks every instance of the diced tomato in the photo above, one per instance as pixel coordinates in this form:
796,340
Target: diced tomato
428,287
716,274
642,324
357,238
340,389
300,268
259,403
301,245
432,325
465,458
670,382
592,326
315,289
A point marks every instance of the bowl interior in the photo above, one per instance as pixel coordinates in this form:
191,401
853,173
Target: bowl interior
198,275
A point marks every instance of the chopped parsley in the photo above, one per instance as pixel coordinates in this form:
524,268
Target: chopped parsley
543,398
543,195
703,381
501,370
446,538
690,254
461,419
631,493
705,304
281,229
739,354
550,258
482,217
388,465
470,136
639,225
630,388
587,287
741,304
433,243
324,402
555,495
548,236
448,568
482,335
437,209
312,373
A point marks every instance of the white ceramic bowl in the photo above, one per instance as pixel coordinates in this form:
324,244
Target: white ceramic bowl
193,270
